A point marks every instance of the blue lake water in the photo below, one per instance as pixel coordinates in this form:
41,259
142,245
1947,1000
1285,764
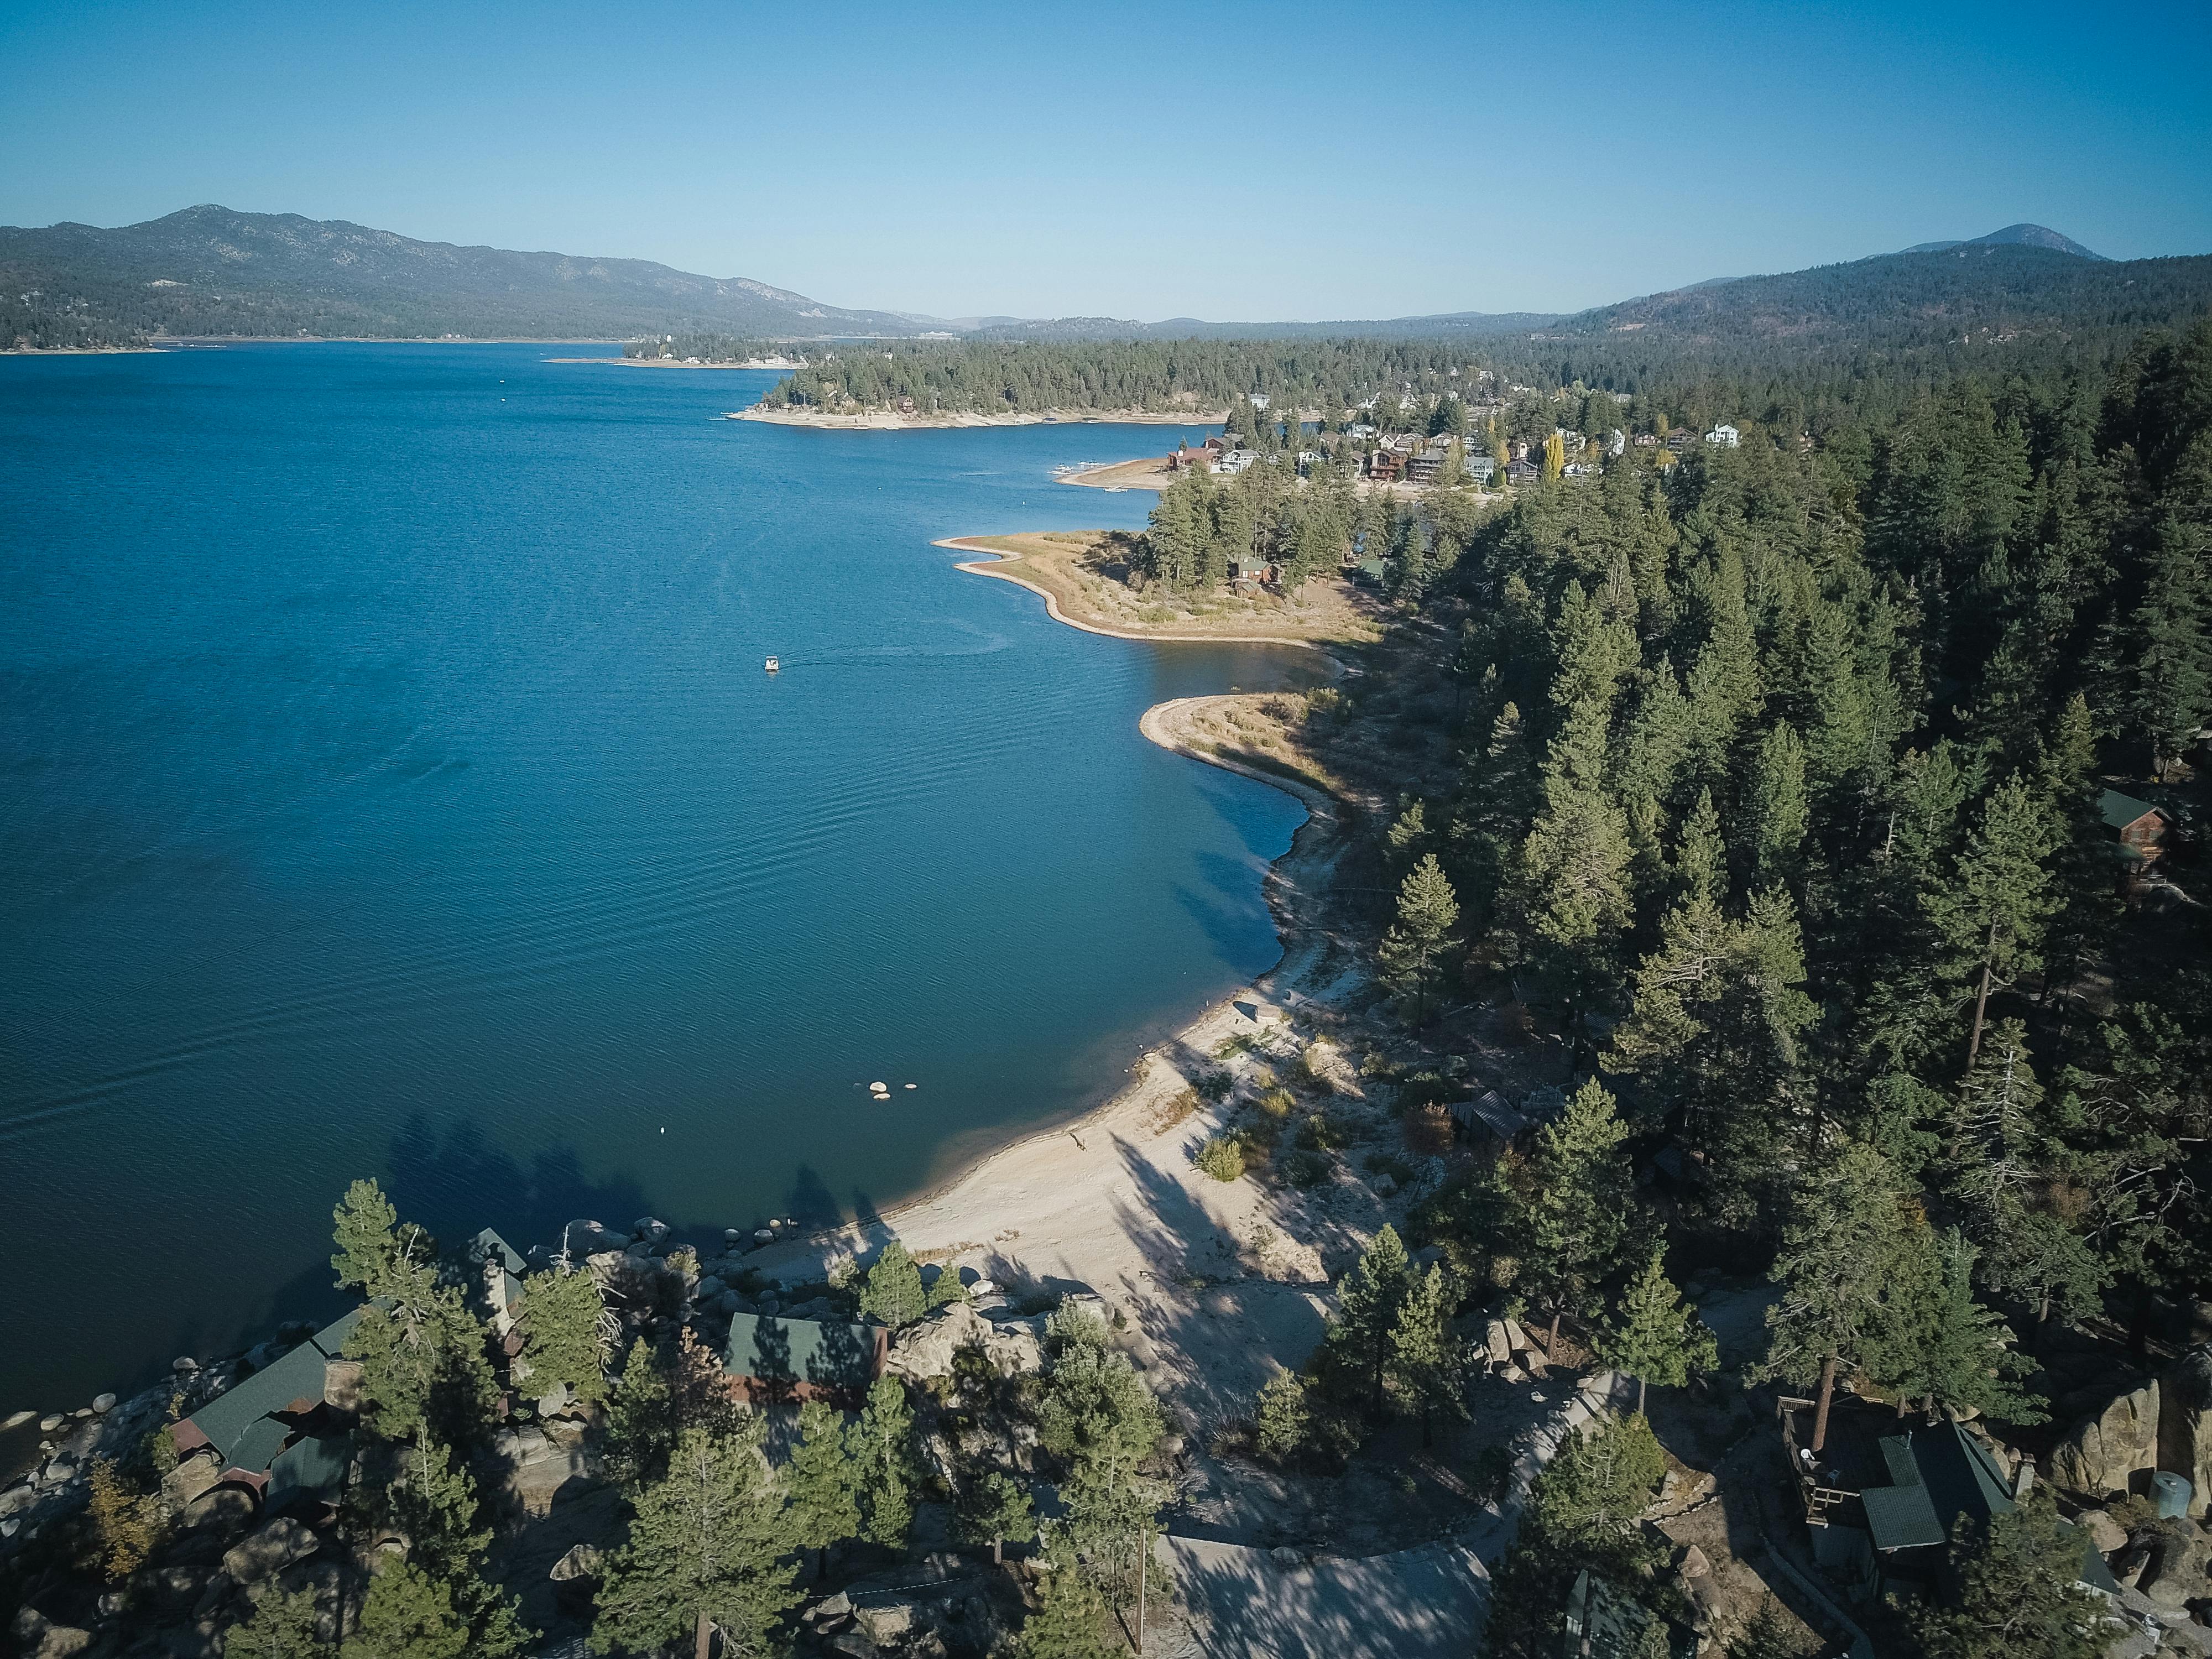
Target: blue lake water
389,785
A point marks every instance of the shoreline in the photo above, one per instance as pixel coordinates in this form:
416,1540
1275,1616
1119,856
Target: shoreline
968,1198
979,567
779,365
891,420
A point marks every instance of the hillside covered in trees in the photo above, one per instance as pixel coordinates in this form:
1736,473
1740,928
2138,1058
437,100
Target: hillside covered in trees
212,271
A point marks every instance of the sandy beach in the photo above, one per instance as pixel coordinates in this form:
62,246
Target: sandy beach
1218,1283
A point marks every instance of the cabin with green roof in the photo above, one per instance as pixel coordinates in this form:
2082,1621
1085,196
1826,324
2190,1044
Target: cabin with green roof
1881,1507
2136,829
285,1433
772,1360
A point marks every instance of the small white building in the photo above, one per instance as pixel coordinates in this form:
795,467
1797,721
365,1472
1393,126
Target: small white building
1618,443
1725,437
1235,461
1257,399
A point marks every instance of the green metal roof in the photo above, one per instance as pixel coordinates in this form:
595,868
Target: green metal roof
801,1351
230,1417
1937,1473
2120,811
312,1468
258,1448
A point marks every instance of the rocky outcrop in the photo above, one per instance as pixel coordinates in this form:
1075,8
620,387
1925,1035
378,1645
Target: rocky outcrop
924,1349
36,1638
2185,1426
272,1549
2104,1449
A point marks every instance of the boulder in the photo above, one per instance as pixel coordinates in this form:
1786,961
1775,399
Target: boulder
342,1384
51,1422
852,1645
2100,1452
925,1348
37,1637
1693,1564
885,1623
2175,1574
2185,1426
189,1479
272,1549
1497,1343
582,1561
2106,1533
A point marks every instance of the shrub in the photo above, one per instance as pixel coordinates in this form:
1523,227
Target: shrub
1322,1133
1304,1170
1276,1104
1263,1077
1324,702
1428,1128
1315,1061
1213,1086
1222,1158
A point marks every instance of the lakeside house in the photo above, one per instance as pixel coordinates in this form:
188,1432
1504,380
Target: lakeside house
1523,471
1679,440
770,1359
285,1433
1882,1506
1724,436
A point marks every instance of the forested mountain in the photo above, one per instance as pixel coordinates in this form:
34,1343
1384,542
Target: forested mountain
1455,326
2022,235
209,270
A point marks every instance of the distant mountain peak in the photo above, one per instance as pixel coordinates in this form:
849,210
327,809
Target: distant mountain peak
2021,235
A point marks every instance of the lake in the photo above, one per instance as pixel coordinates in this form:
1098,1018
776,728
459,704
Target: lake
392,787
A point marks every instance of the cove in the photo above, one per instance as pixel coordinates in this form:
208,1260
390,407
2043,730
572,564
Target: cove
389,785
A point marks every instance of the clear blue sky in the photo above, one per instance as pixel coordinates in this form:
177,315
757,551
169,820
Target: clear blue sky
1230,162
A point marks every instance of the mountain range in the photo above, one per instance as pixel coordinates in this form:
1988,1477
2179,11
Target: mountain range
211,271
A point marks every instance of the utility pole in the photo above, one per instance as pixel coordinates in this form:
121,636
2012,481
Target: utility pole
1144,1549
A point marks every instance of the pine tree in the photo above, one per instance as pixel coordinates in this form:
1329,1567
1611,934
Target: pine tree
423,1362
1368,1302
1579,1203
882,1451
435,1502
1933,1342
892,1292
1779,809
1070,1620
641,1419
1414,950
407,1614
703,1553
1101,1421
362,1225
1426,1362
1282,1421
1991,916
284,1624
1656,1338
822,1483
1836,1254
2019,1591
993,1507
563,1342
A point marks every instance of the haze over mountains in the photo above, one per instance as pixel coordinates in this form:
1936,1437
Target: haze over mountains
210,271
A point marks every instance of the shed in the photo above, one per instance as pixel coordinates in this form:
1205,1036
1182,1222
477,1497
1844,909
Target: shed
803,1358
1488,1113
